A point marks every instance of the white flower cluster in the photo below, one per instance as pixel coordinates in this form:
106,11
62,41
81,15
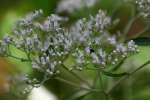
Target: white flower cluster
72,5
96,45
45,42
144,7
48,44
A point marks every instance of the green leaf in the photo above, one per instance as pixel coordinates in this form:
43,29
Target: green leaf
114,74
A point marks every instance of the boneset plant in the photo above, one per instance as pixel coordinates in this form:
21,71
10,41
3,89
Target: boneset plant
88,43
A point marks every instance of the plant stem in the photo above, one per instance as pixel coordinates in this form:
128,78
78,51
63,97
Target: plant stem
100,79
102,86
95,79
77,76
133,72
76,85
128,75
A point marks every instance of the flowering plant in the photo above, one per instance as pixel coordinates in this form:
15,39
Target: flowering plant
86,45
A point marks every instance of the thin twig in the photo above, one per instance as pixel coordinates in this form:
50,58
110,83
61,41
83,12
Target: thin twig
95,80
128,75
76,85
102,85
77,76
100,79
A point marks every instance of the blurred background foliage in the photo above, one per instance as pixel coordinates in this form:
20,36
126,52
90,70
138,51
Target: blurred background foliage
135,88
